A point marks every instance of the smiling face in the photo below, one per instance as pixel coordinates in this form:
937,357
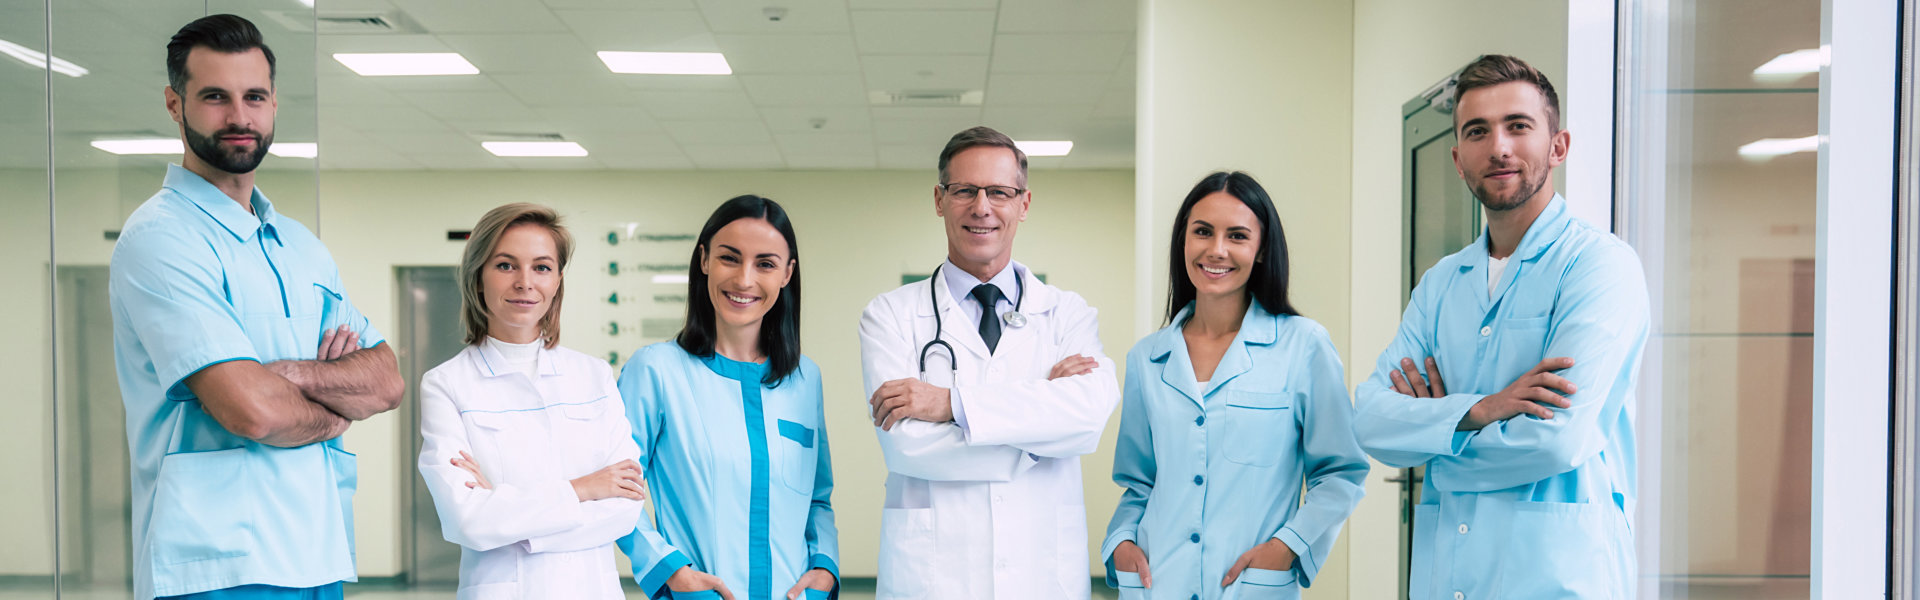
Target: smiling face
226,109
980,229
1507,151
1222,242
519,281
747,264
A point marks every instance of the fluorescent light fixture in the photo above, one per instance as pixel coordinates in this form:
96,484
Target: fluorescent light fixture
309,3
517,149
40,61
1792,65
407,63
141,146
667,63
680,278
294,149
1761,150
1057,148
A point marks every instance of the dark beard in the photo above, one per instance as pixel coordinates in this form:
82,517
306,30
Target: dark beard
209,151
1526,192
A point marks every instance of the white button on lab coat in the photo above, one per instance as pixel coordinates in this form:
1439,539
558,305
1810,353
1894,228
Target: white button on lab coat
529,537
994,510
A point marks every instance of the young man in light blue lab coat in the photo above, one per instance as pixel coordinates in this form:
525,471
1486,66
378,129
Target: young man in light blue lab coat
240,360
1512,376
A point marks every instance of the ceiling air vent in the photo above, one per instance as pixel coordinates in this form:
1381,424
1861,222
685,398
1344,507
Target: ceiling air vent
926,97
365,23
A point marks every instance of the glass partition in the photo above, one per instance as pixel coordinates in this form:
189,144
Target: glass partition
1718,176
26,437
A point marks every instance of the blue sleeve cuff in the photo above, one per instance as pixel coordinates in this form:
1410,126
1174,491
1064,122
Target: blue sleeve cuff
1304,560
1106,553
822,561
655,579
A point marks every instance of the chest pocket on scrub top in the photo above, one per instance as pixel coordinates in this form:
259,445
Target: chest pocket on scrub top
1257,425
796,455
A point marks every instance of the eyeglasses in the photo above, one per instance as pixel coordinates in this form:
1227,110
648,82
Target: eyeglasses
997,194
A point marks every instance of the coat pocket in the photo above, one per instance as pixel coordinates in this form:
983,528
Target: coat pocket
798,458
907,544
1567,548
1263,584
1259,428
202,507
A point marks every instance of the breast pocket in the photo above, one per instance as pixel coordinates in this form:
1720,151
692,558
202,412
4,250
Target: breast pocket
1259,427
1522,344
797,455
501,442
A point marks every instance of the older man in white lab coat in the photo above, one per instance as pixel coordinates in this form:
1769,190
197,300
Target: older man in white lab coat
986,385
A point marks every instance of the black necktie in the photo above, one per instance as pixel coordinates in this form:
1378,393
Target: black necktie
989,297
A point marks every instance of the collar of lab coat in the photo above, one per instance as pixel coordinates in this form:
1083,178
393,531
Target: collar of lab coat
1040,296
489,361
1540,236
1257,328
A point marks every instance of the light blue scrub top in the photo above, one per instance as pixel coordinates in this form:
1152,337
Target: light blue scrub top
741,479
196,281
1524,508
1212,471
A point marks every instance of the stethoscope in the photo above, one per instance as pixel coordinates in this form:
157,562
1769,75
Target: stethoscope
1012,318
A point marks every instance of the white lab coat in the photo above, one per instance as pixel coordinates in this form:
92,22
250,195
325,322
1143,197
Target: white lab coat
529,537
995,510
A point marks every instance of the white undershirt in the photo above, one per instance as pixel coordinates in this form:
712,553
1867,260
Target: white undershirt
524,358
1495,266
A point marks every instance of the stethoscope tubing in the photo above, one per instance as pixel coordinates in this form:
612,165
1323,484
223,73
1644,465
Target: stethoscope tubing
933,295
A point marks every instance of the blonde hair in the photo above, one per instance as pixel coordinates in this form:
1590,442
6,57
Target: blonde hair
480,246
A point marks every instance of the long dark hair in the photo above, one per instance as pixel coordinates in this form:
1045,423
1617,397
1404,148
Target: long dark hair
1267,282
780,329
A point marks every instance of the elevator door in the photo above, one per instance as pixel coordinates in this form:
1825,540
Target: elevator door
1438,217
428,315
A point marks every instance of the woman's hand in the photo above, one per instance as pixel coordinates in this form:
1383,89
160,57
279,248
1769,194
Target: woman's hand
479,479
816,579
1130,558
618,480
1271,555
688,580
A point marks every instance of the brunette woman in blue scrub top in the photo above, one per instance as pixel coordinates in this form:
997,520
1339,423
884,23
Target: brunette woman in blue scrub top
1226,414
729,423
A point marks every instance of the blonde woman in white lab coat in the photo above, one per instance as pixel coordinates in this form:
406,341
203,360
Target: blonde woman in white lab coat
527,450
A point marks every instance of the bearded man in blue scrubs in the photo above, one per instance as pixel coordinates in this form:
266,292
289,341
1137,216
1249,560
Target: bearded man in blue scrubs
1512,376
240,359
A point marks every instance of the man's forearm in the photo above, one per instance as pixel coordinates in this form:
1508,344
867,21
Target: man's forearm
361,384
309,423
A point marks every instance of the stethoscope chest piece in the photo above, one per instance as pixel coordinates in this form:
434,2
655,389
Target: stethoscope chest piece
1014,319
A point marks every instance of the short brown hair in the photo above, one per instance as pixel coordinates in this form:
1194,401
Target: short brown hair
480,245
976,137
1495,69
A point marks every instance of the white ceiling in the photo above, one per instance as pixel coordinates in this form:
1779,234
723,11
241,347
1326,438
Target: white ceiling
798,98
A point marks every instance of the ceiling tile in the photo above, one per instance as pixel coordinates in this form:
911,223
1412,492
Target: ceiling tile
480,159
481,16
718,132
698,105
1025,89
919,131
923,32
612,119
412,143
735,156
556,163
381,118
626,4
801,119
530,53
918,156
627,144
800,16
1068,16
1081,52
468,106
664,162
923,4
364,157
329,45
925,72
355,90
681,83
805,90
793,144
1037,123
1116,103
787,54
641,30
565,89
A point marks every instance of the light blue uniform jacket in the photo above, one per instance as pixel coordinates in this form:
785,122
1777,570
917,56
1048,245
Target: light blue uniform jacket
1523,508
196,281
741,479
1212,471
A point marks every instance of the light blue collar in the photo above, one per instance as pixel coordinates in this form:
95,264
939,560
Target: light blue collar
1545,229
222,208
744,372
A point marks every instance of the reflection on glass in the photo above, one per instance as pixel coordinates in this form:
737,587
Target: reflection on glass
26,556
1720,199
